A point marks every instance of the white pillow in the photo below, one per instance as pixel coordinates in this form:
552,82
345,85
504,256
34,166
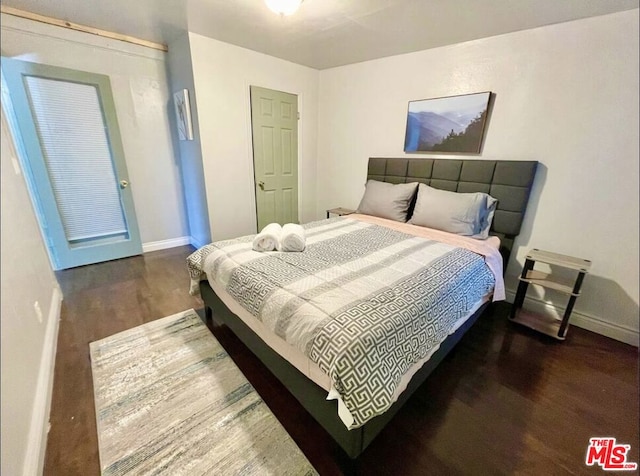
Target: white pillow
387,200
467,214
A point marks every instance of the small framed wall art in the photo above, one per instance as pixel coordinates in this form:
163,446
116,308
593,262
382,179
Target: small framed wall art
183,114
448,124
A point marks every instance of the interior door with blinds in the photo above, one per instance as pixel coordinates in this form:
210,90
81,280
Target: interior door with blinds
67,128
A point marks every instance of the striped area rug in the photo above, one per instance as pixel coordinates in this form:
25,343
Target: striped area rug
169,400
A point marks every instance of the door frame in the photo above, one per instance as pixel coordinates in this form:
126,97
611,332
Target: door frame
252,183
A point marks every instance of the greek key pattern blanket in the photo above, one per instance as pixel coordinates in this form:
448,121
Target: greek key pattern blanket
363,301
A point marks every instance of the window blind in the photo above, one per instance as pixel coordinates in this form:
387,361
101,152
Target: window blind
74,141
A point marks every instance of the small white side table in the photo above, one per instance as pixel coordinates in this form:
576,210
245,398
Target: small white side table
339,211
553,327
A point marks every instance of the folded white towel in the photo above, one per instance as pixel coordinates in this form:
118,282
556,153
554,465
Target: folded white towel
269,238
292,238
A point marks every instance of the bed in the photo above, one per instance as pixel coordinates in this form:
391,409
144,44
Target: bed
353,361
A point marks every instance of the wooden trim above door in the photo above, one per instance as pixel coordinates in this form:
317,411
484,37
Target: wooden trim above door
83,28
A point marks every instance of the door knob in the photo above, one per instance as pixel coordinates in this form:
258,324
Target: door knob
124,184
261,185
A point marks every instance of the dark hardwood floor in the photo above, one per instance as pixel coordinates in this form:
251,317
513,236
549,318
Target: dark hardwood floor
505,401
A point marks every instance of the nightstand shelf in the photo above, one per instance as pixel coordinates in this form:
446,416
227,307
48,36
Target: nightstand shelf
547,280
340,211
545,324
556,328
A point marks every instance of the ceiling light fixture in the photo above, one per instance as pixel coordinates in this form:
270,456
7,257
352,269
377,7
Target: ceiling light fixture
283,7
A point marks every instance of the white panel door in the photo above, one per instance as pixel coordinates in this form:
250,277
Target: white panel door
274,124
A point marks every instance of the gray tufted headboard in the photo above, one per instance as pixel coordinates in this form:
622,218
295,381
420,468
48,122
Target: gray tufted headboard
509,181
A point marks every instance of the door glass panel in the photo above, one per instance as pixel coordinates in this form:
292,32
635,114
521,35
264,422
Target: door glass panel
72,131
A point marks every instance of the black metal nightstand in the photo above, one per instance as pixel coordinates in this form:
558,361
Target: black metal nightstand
339,211
555,328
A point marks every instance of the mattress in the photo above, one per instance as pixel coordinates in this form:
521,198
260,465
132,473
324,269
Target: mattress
366,304
308,367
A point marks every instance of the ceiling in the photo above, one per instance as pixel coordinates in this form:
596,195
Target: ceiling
323,33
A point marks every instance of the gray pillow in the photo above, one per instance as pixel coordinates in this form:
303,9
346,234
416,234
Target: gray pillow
467,214
387,200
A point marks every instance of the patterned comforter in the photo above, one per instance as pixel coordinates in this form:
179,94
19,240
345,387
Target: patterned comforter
363,301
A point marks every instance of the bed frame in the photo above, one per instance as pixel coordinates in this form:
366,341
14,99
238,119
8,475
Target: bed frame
508,181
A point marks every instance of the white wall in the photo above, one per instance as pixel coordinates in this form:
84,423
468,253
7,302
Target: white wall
223,74
141,93
565,95
28,344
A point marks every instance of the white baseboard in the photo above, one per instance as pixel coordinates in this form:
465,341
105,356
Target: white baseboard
39,427
164,244
582,320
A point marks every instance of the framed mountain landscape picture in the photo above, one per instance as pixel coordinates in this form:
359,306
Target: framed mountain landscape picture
449,124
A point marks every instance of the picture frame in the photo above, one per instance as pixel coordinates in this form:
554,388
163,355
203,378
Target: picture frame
183,114
452,124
